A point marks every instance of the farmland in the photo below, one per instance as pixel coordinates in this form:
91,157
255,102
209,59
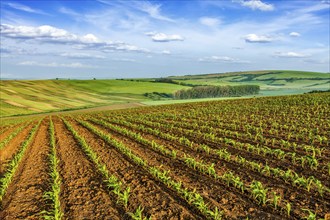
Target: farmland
20,97
256,158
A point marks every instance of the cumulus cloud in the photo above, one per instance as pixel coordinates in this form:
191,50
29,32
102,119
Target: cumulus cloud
257,5
49,34
294,34
208,21
254,38
291,55
161,37
54,64
223,59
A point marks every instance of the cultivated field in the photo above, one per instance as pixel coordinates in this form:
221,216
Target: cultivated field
19,97
259,158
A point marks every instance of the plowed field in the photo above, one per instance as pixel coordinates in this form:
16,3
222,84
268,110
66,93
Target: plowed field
265,158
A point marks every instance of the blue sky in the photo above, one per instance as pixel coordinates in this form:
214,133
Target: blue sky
119,39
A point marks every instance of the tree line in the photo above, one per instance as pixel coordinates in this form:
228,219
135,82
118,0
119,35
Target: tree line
216,91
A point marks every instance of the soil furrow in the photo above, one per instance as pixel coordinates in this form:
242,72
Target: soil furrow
82,194
283,164
226,198
7,153
239,169
151,195
8,131
288,192
24,197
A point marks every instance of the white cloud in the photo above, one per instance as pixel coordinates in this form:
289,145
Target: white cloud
153,10
70,12
223,59
45,32
291,55
54,64
161,37
253,38
49,34
294,34
82,55
124,60
25,8
211,22
90,38
166,52
257,4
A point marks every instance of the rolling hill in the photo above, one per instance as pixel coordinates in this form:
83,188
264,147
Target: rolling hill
19,97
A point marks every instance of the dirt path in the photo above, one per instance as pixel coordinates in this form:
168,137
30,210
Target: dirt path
24,197
153,196
8,151
83,195
87,110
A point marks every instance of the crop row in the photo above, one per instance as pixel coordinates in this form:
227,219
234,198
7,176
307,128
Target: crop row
261,150
191,197
256,190
287,175
257,137
111,181
15,161
4,142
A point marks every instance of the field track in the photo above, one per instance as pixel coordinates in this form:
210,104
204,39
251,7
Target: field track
207,160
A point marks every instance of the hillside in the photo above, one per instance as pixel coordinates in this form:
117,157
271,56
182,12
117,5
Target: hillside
274,82
26,96
35,96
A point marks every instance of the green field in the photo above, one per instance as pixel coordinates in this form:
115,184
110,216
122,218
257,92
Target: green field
19,97
267,80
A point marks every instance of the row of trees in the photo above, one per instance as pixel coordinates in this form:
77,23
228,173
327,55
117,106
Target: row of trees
216,91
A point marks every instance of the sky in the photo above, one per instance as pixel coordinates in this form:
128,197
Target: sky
43,39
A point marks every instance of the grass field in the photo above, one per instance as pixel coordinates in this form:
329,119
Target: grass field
269,81
25,97
28,97
257,158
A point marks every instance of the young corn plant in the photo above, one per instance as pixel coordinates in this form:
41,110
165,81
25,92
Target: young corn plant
138,214
276,200
11,136
288,209
110,180
259,192
13,164
311,215
54,194
188,195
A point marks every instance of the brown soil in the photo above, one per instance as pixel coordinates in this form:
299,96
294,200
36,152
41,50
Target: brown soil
310,200
83,195
24,197
7,131
7,152
283,164
226,198
153,196
290,193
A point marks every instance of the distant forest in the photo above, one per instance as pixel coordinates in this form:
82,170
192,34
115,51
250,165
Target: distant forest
216,91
